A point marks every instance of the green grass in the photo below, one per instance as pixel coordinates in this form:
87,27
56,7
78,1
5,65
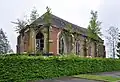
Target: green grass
98,77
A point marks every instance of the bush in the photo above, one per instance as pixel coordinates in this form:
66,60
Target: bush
24,68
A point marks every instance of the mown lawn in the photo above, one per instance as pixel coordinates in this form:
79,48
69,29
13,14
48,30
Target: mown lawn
98,77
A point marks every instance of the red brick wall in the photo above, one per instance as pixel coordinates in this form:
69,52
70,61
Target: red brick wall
53,36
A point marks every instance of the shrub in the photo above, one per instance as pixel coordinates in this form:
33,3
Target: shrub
24,68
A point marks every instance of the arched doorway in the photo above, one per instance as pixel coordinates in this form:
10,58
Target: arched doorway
39,42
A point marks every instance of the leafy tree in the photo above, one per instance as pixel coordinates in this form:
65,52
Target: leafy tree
34,15
118,47
47,18
67,32
20,24
93,29
112,38
4,44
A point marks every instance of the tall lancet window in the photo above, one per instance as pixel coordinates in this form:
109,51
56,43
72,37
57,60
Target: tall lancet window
77,48
61,45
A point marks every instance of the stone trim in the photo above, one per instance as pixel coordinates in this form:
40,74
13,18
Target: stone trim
27,30
50,41
65,47
51,52
58,42
51,29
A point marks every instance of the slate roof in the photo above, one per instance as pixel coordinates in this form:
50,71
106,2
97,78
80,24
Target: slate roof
61,23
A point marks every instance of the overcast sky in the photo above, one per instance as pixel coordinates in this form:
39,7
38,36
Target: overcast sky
75,11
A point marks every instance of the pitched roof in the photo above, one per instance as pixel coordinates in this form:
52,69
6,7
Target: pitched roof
61,23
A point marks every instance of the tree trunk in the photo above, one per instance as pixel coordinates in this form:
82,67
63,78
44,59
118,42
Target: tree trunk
85,48
48,38
95,49
113,50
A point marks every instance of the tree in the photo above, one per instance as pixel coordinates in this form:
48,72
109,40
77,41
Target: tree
93,29
34,15
4,44
21,24
47,18
118,46
67,32
112,38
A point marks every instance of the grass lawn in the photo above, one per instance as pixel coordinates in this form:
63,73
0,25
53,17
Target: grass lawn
98,77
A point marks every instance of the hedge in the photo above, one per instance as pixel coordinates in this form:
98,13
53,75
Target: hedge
24,68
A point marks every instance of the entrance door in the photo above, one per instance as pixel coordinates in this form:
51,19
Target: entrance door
39,42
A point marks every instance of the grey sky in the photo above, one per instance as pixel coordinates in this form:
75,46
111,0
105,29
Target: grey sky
75,11
109,14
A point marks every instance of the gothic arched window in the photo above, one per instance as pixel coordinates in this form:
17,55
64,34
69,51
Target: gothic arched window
39,41
61,45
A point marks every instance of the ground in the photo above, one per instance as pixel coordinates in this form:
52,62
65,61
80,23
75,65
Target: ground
99,77
68,79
